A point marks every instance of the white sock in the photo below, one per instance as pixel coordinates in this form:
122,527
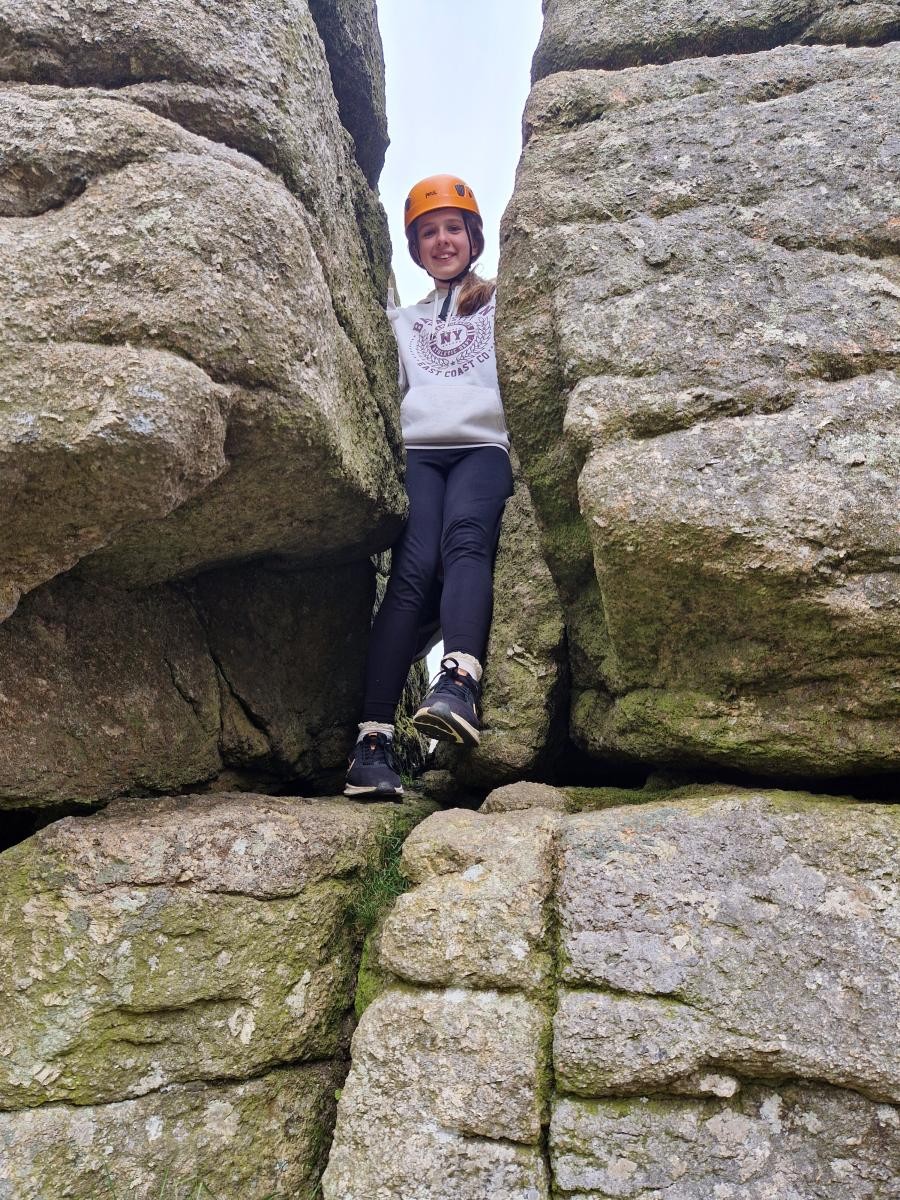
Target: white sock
468,662
366,727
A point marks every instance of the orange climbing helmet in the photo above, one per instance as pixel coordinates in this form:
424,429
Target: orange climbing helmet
443,191
439,191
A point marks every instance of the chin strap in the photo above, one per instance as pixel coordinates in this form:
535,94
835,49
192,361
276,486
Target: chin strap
451,284
445,307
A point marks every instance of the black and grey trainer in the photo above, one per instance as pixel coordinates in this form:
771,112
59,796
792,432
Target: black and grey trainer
373,768
451,712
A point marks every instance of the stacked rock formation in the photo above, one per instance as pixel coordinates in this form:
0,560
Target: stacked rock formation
649,994
690,993
698,341
196,373
690,997
177,976
199,453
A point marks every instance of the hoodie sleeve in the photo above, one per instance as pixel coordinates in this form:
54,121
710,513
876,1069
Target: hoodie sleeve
393,313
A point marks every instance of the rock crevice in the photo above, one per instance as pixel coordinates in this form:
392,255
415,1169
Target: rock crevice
681,1013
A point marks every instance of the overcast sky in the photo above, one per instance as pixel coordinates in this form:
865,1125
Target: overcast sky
457,80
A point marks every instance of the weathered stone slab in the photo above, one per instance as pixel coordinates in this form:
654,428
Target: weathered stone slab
698,348
104,692
253,75
478,915
792,1142
180,940
526,674
626,33
254,1139
78,424
194,403
349,29
751,934
444,1094
517,797
726,1021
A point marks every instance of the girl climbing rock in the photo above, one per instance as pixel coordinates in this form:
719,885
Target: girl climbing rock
458,479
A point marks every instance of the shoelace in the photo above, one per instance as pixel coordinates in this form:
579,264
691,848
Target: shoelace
449,679
375,750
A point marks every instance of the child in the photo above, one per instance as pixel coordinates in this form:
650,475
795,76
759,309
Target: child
458,479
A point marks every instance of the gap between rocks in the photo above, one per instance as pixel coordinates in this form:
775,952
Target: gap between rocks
736,40
211,1082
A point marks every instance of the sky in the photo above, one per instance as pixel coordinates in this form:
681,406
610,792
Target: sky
457,81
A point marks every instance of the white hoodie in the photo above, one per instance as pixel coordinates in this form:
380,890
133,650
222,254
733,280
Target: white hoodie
448,374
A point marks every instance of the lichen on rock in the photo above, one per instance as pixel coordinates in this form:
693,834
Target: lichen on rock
697,351
171,963
717,966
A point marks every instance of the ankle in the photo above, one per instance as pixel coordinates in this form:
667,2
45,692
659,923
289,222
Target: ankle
468,664
369,727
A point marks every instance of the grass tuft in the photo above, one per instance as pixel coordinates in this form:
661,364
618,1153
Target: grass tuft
382,883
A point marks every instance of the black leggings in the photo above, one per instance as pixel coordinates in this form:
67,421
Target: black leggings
456,502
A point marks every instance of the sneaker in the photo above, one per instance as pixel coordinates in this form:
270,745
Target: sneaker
451,711
373,768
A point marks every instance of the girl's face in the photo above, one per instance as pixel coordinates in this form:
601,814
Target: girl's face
443,243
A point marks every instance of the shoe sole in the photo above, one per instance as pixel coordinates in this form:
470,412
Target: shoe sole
382,791
441,722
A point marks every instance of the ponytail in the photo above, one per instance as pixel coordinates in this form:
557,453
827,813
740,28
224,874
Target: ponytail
474,293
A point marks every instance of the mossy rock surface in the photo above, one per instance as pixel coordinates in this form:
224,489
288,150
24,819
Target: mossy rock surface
686,989
260,1139
183,940
697,377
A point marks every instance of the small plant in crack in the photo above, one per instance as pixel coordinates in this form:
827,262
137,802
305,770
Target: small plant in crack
382,883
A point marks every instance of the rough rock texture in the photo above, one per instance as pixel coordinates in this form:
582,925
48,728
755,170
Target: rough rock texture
349,29
627,33
698,345
265,1137
514,797
750,934
526,675
144,377
198,941
104,692
719,969
766,1143
477,915
253,75
442,1099
451,1085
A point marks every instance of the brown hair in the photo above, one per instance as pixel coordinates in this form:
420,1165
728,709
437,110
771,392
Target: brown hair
474,292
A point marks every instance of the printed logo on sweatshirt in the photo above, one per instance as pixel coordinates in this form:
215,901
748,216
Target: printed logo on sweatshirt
456,346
